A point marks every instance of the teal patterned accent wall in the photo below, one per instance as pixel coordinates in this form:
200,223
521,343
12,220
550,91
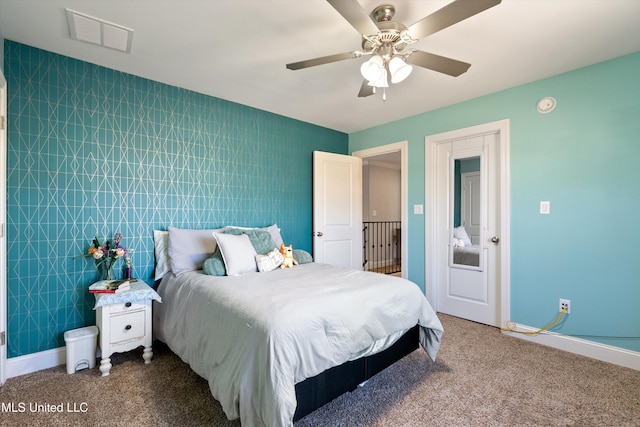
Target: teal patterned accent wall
93,150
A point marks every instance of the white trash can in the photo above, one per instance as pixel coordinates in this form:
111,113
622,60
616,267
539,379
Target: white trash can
81,348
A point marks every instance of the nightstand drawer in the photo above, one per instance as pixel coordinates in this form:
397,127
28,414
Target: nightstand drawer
125,327
127,306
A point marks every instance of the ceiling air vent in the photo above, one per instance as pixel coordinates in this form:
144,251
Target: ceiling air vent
96,31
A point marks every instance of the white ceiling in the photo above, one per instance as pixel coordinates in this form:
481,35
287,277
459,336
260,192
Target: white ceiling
237,49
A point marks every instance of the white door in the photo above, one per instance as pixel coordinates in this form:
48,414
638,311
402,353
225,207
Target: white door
337,209
470,204
467,277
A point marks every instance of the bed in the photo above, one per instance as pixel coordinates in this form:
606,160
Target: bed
464,251
467,255
275,345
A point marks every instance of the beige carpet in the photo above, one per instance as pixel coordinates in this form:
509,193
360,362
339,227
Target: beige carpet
481,378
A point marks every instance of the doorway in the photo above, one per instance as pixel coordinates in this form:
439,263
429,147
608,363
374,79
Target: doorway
465,278
385,215
470,198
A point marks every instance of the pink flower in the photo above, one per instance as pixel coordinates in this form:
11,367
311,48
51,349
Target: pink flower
120,252
98,254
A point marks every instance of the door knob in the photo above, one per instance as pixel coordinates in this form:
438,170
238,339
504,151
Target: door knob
318,233
495,239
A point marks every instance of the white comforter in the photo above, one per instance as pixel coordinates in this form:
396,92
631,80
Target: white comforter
253,337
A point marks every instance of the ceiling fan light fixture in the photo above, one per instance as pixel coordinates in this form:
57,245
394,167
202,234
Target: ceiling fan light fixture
381,82
399,69
384,39
373,69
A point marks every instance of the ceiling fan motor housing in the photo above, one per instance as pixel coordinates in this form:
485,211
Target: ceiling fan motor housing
383,13
390,34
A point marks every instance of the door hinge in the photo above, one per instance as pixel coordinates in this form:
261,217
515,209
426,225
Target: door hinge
1,230
2,338
1,122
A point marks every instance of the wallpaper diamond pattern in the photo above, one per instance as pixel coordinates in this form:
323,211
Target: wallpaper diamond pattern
96,151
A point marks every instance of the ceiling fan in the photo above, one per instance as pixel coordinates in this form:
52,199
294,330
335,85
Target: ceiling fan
387,42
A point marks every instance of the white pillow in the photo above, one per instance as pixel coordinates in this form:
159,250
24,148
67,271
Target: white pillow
270,261
161,250
275,234
189,249
461,233
238,253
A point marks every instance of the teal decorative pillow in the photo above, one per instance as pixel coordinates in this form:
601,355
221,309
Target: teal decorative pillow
214,266
302,256
260,239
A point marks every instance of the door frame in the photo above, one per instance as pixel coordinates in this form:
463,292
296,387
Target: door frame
464,196
502,128
3,228
401,147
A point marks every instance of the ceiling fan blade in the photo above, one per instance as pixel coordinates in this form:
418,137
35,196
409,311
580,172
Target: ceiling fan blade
365,89
323,60
355,15
438,63
452,13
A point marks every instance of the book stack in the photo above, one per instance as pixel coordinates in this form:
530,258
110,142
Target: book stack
110,286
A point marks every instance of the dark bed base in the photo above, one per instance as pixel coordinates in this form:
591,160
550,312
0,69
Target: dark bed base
317,391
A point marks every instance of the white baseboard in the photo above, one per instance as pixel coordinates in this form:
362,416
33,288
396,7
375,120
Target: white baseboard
595,350
33,362
29,363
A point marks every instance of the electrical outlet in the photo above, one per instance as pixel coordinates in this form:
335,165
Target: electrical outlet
565,304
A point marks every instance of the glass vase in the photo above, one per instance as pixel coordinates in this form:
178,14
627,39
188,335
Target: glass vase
105,272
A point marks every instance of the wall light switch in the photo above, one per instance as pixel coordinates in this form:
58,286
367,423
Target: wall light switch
374,213
418,209
545,208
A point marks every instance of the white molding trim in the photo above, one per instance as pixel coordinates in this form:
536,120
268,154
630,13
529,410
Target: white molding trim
34,362
403,148
381,164
3,220
595,350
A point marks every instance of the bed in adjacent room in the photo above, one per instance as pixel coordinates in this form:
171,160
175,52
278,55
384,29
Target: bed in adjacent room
467,255
275,342
464,251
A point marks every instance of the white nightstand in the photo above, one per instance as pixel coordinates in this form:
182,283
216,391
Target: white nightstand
124,320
